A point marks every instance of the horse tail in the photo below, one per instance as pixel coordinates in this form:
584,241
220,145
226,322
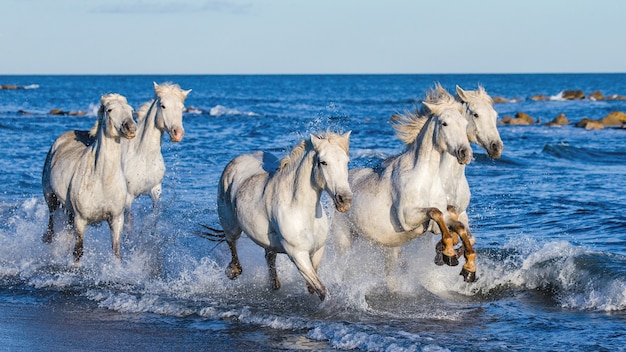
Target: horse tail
211,234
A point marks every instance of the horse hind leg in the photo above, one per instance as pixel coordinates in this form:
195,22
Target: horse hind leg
233,270
53,205
270,257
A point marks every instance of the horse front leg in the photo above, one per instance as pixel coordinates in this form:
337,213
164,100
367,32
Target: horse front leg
155,194
116,224
79,225
469,268
270,258
305,266
446,253
234,268
391,257
316,258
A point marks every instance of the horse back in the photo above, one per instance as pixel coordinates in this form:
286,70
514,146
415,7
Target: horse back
61,162
241,188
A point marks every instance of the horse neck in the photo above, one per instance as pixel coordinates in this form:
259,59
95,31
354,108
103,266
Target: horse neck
106,153
300,181
422,155
149,137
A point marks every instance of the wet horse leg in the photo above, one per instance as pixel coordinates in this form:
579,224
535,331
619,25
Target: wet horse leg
316,258
53,205
302,260
448,253
234,268
116,225
469,268
270,257
439,247
79,225
391,256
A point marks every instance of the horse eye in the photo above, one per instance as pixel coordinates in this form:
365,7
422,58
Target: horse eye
476,115
444,124
162,106
323,163
109,110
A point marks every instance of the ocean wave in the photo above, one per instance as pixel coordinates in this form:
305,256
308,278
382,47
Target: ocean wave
568,276
220,110
586,155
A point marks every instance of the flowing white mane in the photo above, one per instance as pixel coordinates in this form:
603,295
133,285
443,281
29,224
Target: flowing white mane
409,124
299,150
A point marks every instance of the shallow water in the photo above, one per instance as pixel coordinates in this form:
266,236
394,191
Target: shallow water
547,216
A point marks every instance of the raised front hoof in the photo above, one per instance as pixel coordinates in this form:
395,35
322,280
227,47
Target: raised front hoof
450,260
468,276
233,270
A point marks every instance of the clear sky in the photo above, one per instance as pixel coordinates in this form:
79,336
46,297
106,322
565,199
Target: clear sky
311,36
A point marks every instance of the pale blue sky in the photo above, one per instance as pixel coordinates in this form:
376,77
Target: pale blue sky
311,36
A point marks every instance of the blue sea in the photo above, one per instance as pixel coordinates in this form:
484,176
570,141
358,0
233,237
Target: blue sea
548,217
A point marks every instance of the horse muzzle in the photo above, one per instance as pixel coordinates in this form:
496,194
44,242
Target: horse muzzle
129,128
342,202
495,149
464,155
176,134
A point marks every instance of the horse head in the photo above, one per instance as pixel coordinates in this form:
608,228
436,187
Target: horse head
331,167
450,133
115,117
169,104
482,120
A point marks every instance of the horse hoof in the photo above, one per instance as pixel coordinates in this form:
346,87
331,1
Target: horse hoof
451,260
439,259
468,276
460,251
232,271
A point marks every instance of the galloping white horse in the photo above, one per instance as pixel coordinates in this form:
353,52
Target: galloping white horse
395,202
280,209
88,181
142,160
481,129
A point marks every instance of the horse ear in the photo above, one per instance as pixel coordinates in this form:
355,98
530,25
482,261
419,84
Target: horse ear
186,92
461,93
316,141
429,106
347,135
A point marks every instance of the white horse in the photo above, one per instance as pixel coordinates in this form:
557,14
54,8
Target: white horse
88,181
142,160
481,129
280,209
395,202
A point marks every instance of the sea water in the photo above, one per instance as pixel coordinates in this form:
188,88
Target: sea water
548,217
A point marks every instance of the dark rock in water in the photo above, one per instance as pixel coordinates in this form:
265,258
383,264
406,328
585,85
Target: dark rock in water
520,118
573,95
539,97
597,95
615,118
560,120
56,112
500,100
615,97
